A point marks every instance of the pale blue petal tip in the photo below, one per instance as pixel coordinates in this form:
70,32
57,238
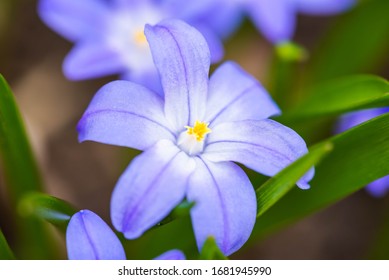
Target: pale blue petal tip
172,255
88,237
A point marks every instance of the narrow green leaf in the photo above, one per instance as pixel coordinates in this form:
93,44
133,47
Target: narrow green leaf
276,187
356,43
20,167
343,95
51,209
21,176
5,250
211,251
360,156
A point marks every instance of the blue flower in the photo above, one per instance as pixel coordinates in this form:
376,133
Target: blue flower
190,140
88,237
276,19
379,187
109,38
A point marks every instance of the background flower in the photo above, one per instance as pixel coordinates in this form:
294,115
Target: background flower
190,140
379,187
275,19
108,35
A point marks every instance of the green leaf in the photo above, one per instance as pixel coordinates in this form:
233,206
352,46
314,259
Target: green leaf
276,187
360,156
21,176
356,43
51,209
19,165
211,251
342,95
5,250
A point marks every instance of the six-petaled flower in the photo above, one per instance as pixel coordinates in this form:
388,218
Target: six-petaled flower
191,138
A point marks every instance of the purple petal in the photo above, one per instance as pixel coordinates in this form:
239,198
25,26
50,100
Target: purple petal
125,114
190,10
214,42
235,95
264,146
352,119
225,204
149,79
88,237
153,184
323,7
275,19
74,19
215,19
182,57
225,19
379,187
92,59
171,255
128,3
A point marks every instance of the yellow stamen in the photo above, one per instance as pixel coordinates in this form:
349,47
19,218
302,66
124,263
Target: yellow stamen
199,130
140,37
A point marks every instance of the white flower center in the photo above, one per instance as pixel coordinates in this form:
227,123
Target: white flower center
191,141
